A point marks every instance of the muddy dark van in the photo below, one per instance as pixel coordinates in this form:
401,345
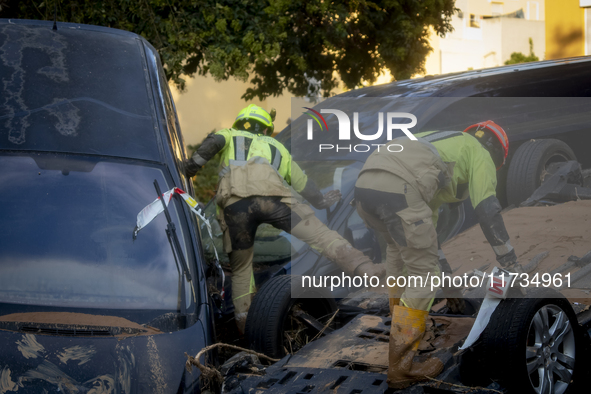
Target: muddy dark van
87,128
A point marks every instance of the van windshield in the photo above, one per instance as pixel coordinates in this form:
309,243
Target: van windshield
66,225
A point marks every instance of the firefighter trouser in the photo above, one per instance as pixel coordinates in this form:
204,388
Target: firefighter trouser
244,216
398,212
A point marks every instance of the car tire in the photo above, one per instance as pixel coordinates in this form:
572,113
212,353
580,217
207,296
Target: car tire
269,316
526,170
522,356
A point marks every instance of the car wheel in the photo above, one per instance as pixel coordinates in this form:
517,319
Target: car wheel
273,326
529,166
531,344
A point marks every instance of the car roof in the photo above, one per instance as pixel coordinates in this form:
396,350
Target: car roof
550,87
551,78
78,89
68,25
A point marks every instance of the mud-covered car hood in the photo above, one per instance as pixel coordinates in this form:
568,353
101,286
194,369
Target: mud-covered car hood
34,363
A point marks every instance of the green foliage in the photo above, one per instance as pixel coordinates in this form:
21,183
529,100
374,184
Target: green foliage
206,180
296,45
518,57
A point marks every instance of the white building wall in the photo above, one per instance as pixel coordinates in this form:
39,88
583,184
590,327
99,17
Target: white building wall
492,43
488,46
516,34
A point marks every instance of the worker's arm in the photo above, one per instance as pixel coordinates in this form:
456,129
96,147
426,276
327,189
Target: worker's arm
208,149
489,216
316,198
483,183
306,187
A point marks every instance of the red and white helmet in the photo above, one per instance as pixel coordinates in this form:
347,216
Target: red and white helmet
493,138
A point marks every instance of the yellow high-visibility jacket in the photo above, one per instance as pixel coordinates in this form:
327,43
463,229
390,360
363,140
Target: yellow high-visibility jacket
474,172
251,165
444,166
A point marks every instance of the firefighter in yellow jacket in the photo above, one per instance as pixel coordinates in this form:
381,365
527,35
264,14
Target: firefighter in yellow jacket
253,189
399,195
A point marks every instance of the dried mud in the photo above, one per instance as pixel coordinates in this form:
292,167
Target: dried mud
80,320
562,230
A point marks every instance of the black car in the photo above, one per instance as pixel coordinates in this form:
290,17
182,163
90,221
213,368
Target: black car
539,343
542,106
88,128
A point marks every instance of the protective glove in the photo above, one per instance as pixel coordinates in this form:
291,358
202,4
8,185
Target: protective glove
509,262
191,167
371,269
515,267
508,259
328,199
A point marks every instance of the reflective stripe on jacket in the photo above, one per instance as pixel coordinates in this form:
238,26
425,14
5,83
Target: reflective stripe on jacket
256,165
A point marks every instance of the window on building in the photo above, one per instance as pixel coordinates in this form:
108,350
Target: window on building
532,11
497,9
474,21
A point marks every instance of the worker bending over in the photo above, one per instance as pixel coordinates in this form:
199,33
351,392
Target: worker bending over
399,195
253,189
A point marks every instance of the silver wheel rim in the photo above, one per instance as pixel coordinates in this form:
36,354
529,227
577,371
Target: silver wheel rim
550,351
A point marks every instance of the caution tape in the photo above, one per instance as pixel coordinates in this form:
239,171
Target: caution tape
155,208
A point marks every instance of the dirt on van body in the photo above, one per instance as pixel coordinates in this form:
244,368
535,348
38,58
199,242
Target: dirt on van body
79,320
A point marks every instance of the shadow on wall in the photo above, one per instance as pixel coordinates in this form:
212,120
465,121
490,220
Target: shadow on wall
565,43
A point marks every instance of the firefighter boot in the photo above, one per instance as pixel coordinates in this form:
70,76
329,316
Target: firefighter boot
408,328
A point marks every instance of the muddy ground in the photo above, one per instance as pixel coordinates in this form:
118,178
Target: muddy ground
562,230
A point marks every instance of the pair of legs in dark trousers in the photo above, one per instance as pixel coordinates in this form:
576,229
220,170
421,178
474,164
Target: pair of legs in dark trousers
241,221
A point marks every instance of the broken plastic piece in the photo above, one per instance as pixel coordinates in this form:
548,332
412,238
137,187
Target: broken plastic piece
533,263
486,310
564,185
